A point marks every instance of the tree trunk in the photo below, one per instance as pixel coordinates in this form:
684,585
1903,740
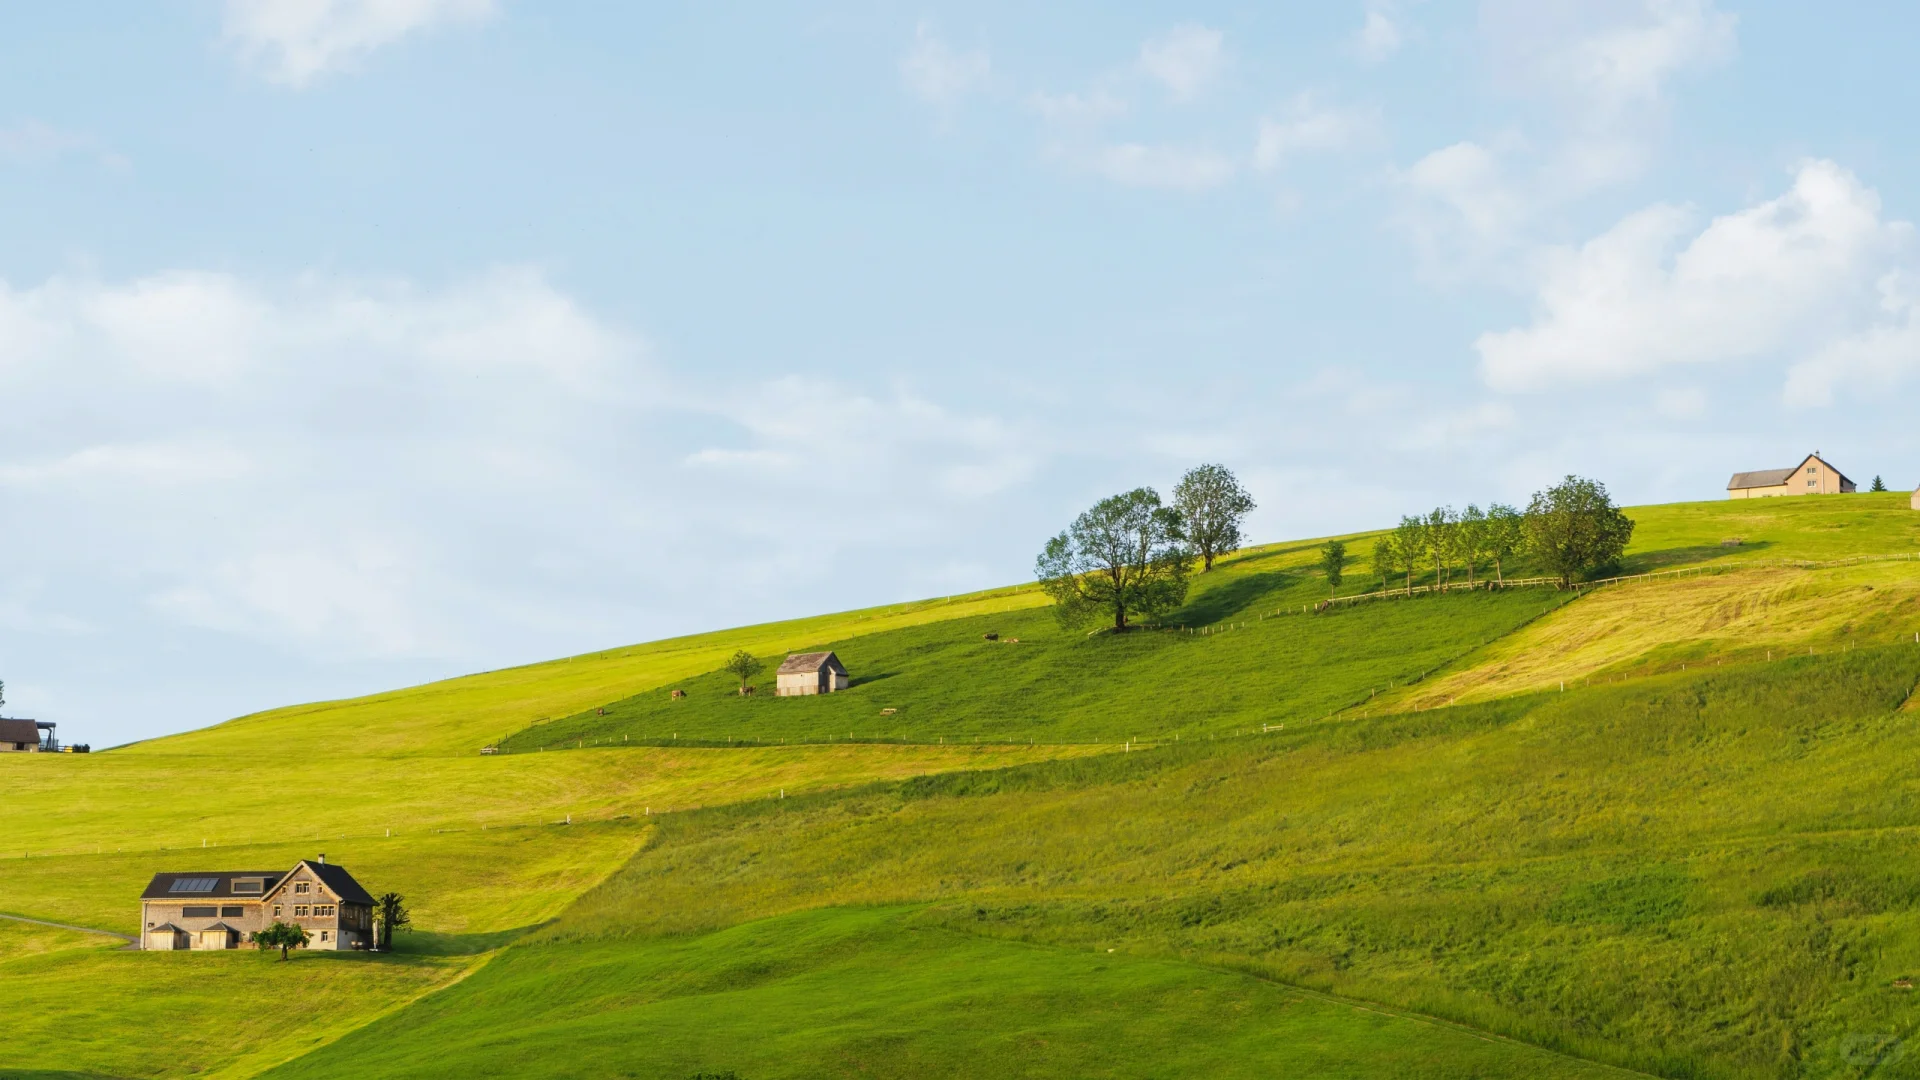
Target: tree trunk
1207,555
1499,576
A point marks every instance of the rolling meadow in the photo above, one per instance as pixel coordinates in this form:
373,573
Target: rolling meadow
1662,827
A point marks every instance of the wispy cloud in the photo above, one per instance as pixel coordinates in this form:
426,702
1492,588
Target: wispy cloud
294,42
1380,35
1186,60
1310,126
36,143
941,74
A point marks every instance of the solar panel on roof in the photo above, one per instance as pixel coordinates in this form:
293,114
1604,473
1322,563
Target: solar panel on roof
193,885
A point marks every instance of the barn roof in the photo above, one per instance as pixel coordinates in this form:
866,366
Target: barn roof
1761,478
208,885
339,881
807,663
19,731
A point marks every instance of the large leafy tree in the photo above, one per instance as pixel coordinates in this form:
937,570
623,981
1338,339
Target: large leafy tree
1124,558
1211,504
1506,534
1574,528
282,936
390,913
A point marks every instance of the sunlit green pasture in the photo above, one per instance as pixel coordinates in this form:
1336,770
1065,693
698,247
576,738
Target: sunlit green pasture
876,993
1704,874
1038,681
130,802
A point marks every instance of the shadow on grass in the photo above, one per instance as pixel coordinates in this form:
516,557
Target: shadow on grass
429,943
862,680
51,1074
1227,600
1667,558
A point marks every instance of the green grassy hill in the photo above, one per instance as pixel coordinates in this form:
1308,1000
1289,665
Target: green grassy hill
1693,862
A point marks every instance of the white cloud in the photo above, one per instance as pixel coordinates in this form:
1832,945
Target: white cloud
1603,57
1380,36
941,74
1680,402
1186,59
302,464
1157,166
1091,109
1875,358
1311,127
1650,293
1603,70
295,41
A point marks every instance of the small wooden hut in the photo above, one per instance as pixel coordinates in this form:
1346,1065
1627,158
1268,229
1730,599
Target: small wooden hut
810,673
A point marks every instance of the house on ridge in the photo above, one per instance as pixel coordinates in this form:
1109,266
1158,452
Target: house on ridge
218,909
1812,476
18,736
810,673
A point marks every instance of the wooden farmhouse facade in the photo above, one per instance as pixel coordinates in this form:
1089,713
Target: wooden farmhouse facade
1812,476
219,909
810,673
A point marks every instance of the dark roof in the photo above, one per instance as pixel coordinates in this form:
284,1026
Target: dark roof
161,887
165,926
1761,478
341,882
807,663
19,731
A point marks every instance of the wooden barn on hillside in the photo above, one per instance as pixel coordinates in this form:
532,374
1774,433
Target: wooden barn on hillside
810,673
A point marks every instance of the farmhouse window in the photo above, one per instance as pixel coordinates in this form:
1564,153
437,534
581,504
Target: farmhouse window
300,911
233,912
300,887
197,912
276,911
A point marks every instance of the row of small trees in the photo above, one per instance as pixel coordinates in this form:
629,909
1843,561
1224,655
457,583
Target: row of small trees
1571,529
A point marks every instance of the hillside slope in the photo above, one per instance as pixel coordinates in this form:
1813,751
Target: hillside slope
1600,873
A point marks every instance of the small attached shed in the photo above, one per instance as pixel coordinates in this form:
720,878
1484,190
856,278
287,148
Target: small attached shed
168,938
810,673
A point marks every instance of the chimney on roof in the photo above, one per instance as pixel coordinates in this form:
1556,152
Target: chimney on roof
323,858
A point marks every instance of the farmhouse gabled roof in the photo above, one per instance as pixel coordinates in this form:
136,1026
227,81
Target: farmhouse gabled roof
220,887
19,731
807,663
1776,477
341,882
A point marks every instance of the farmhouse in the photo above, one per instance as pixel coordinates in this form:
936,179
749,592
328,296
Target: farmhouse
218,909
1915,501
23,736
810,673
1811,477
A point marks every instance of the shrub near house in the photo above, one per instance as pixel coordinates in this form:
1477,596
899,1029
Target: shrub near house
222,909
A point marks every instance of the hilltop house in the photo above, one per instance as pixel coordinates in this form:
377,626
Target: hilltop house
1915,501
1811,477
23,736
810,673
217,910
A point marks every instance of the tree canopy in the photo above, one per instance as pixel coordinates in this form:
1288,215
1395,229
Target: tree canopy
1211,504
282,936
1333,562
1573,528
1124,558
743,666
390,913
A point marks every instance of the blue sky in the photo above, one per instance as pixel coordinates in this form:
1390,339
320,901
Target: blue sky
346,344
